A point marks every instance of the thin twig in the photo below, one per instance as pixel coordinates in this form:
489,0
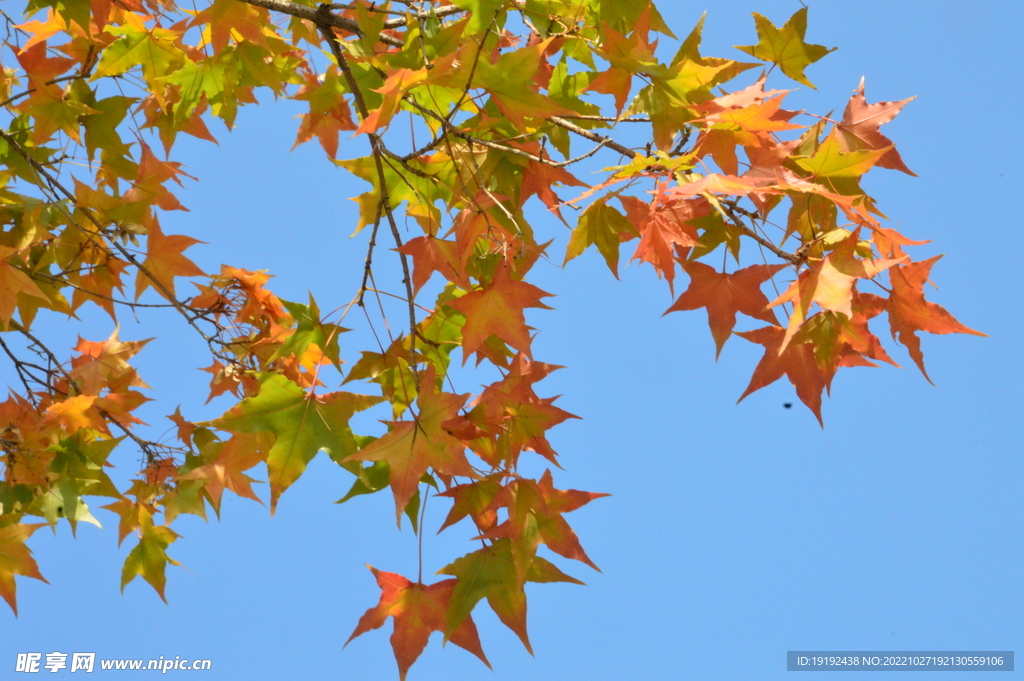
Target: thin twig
321,17
376,147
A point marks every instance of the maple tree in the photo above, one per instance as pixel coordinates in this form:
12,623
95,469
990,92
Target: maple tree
95,95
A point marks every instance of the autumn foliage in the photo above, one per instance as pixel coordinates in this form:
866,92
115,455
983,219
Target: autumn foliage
709,180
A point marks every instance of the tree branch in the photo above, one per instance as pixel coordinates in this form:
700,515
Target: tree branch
377,151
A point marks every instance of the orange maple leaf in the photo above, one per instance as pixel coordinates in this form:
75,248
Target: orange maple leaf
859,128
149,182
394,89
418,610
627,56
227,471
909,312
164,260
724,295
75,413
102,362
328,111
856,336
498,310
511,416
539,179
796,361
535,514
227,16
16,559
830,283
663,224
411,447
13,282
430,254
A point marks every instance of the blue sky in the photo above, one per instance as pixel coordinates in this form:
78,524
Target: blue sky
734,533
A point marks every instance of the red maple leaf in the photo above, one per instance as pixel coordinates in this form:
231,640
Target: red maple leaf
909,312
411,447
418,610
796,362
497,310
726,294
663,225
430,254
859,128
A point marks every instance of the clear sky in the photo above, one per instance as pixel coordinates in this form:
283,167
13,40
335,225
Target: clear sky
734,533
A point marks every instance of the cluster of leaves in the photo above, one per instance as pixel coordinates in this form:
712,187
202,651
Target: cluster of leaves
506,92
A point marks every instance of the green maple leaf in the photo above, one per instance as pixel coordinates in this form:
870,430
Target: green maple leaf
310,329
303,423
64,500
786,46
482,13
491,573
149,557
195,79
840,170
154,50
602,226
510,80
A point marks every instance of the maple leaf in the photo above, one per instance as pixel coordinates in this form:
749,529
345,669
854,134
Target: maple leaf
225,379
310,330
859,128
539,178
751,126
228,16
164,261
830,283
13,283
418,610
128,515
490,573
185,428
230,460
535,515
839,170
154,50
473,499
148,186
16,559
430,254
510,82
396,86
604,227
149,557
98,285
41,31
663,224
328,112
627,56
795,361
512,416
104,362
497,310
411,447
909,312
303,424
724,295
786,46
75,413
614,81
856,335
